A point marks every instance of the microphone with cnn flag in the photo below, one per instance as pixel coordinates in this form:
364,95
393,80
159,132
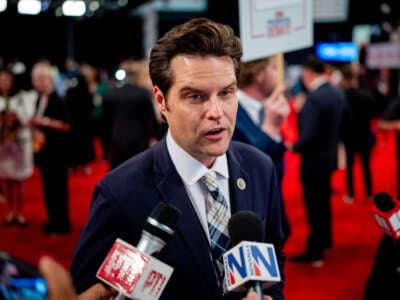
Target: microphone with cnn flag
386,212
250,265
132,271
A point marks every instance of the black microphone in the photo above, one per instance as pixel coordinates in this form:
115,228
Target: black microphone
386,212
239,225
247,226
383,201
159,228
132,271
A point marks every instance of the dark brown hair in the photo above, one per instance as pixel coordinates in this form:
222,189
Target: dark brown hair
249,69
198,37
314,64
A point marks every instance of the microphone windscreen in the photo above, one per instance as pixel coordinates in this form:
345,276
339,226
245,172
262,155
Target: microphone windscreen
383,201
163,221
166,214
245,225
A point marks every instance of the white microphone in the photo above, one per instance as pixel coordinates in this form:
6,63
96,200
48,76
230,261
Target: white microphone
386,212
250,265
132,271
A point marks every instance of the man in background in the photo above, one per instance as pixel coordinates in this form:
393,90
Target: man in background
51,133
319,125
129,118
261,111
357,135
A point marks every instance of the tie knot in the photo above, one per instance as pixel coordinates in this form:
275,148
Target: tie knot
210,180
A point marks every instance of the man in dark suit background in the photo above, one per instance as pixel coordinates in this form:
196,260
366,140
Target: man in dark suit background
129,118
357,136
194,69
319,125
262,110
51,126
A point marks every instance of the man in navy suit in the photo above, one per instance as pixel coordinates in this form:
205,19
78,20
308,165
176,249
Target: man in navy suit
194,69
319,125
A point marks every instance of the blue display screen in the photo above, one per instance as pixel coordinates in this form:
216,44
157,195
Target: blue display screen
337,51
19,280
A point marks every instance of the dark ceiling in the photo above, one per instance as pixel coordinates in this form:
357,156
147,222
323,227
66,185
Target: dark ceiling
115,33
106,6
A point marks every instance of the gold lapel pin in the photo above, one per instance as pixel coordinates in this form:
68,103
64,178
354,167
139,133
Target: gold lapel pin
241,184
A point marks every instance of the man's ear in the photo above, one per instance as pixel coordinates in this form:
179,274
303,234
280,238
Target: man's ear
159,99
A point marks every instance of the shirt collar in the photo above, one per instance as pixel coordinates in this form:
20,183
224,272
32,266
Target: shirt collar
318,82
250,105
189,168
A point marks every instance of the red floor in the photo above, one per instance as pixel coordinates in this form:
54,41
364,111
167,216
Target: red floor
346,267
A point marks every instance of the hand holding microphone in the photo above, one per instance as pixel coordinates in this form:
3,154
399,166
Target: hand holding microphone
250,265
132,270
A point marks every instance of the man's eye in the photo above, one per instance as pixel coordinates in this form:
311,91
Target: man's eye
226,93
195,97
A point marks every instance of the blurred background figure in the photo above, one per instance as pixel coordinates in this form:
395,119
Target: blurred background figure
16,152
319,123
79,103
143,80
51,126
390,120
129,117
357,134
261,112
97,88
383,279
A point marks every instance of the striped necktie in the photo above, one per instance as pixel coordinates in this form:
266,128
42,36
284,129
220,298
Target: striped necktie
217,217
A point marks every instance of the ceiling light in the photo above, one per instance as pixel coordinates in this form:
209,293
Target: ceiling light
74,8
3,5
29,7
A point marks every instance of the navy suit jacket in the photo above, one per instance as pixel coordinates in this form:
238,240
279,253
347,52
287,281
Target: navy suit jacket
248,132
124,199
319,125
129,121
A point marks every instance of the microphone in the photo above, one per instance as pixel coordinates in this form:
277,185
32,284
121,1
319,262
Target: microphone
250,265
386,212
132,271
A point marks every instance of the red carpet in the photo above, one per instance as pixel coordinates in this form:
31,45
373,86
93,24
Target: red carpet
356,236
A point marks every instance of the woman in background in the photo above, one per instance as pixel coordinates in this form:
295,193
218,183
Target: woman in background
16,154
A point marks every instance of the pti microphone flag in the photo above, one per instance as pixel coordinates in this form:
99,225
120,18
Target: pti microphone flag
250,265
132,271
386,212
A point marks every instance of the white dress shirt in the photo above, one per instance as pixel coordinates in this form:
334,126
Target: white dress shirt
191,171
250,105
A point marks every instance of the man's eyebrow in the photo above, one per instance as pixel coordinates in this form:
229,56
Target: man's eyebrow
194,89
189,89
231,85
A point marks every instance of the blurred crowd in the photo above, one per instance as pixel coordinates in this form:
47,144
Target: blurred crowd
50,117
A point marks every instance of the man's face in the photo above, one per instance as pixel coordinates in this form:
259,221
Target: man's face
306,76
267,77
201,105
42,82
6,82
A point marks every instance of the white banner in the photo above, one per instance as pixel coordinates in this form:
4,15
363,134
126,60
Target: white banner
385,55
269,27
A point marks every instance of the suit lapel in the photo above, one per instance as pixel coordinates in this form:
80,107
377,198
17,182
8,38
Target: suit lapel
172,188
239,183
